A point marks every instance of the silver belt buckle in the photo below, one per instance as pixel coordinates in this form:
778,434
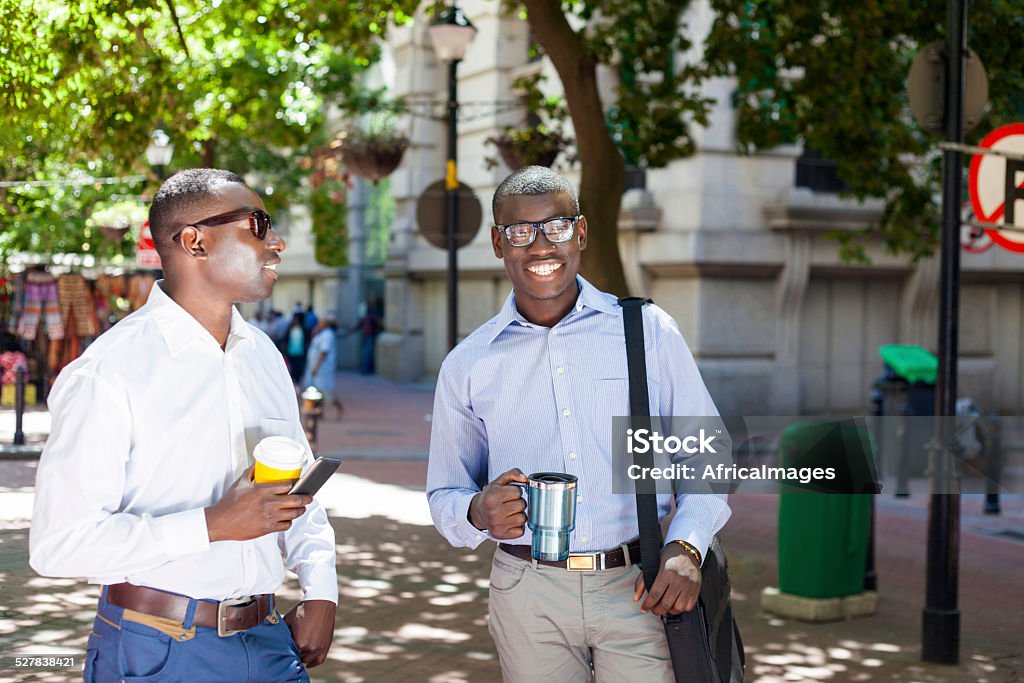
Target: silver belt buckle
585,562
222,628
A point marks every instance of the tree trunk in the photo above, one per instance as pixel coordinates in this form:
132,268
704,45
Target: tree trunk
209,150
603,169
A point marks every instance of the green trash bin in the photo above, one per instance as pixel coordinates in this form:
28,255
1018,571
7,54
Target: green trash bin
822,536
911,363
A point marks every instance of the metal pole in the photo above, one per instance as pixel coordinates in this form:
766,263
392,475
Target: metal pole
870,575
452,218
994,463
19,406
941,616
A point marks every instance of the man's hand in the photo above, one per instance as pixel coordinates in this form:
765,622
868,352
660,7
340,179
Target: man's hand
677,586
500,507
312,626
248,510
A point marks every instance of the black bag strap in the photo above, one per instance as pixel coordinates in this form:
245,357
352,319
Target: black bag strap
640,412
686,633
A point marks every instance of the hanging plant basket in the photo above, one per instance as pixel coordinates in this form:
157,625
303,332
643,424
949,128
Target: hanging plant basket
115,220
372,155
112,233
528,147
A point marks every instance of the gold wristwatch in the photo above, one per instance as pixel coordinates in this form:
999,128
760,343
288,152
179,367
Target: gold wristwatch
690,549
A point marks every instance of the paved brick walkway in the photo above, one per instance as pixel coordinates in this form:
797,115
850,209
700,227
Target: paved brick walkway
414,609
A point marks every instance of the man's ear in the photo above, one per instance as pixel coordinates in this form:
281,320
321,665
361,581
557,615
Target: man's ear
496,242
581,232
191,241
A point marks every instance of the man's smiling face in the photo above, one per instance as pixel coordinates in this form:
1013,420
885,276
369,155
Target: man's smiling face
543,274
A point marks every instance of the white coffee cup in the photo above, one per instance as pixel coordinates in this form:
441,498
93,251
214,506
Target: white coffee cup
278,458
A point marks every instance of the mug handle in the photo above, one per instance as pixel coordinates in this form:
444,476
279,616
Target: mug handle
524,487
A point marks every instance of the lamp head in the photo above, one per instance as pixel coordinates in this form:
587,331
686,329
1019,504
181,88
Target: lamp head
160,148
451,33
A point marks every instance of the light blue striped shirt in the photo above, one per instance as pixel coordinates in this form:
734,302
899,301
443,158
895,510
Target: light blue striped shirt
515,394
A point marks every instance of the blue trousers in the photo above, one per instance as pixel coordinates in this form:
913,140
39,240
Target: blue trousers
123,649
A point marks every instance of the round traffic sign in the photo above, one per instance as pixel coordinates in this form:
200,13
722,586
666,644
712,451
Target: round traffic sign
926,88
989,190
432,213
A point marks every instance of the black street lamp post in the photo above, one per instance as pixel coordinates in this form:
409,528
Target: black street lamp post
451,32
941,615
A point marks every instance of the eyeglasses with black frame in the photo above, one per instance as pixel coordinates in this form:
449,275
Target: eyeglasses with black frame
259,222
557,230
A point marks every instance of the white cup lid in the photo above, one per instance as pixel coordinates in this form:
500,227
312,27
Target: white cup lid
280,452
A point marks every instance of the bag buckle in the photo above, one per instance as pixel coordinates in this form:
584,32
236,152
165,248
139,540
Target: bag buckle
585,562
222,615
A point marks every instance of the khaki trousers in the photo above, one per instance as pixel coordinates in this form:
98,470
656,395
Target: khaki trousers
570,627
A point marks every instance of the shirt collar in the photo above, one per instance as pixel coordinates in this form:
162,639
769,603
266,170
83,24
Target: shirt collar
180,329
589,297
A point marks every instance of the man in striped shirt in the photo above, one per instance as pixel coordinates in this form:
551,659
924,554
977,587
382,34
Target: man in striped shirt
535,389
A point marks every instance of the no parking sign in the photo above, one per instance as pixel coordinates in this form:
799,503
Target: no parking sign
145,254
996,185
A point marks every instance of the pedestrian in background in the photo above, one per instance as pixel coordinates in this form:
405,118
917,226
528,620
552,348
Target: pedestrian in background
310,319
278,327
322,362
145,484
295,346
369,326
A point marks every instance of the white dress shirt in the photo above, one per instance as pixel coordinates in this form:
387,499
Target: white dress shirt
153,423
516,394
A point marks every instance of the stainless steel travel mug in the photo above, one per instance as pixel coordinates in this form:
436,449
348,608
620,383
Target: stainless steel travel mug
551,514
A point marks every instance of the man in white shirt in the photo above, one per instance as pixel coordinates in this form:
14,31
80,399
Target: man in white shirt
145,484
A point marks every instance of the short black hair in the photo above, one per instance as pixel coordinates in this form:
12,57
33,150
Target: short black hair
182,191
533,180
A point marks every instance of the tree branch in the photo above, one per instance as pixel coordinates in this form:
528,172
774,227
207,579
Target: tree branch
177,27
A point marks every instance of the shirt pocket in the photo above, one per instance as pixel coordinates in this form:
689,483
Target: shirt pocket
608,399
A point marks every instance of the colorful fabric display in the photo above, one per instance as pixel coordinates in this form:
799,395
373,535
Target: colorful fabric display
40,299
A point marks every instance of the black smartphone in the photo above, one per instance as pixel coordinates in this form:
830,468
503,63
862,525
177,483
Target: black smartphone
316,476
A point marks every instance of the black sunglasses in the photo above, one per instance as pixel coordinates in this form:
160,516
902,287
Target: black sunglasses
259,222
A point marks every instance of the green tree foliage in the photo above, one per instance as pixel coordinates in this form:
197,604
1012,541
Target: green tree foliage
238,85
832,74
380,214
656,101
656,104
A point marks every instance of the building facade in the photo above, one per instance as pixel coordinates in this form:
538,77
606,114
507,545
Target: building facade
731,245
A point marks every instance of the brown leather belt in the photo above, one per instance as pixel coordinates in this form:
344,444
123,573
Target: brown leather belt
581,562
228,616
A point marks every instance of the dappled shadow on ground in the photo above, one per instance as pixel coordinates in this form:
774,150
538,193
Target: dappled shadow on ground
887,645
38,615
412,608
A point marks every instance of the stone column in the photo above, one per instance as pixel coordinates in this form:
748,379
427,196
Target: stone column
789,300
639,214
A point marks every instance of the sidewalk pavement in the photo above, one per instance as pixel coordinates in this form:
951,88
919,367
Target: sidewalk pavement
414,609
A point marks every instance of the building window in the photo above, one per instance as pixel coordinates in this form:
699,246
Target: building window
817,173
